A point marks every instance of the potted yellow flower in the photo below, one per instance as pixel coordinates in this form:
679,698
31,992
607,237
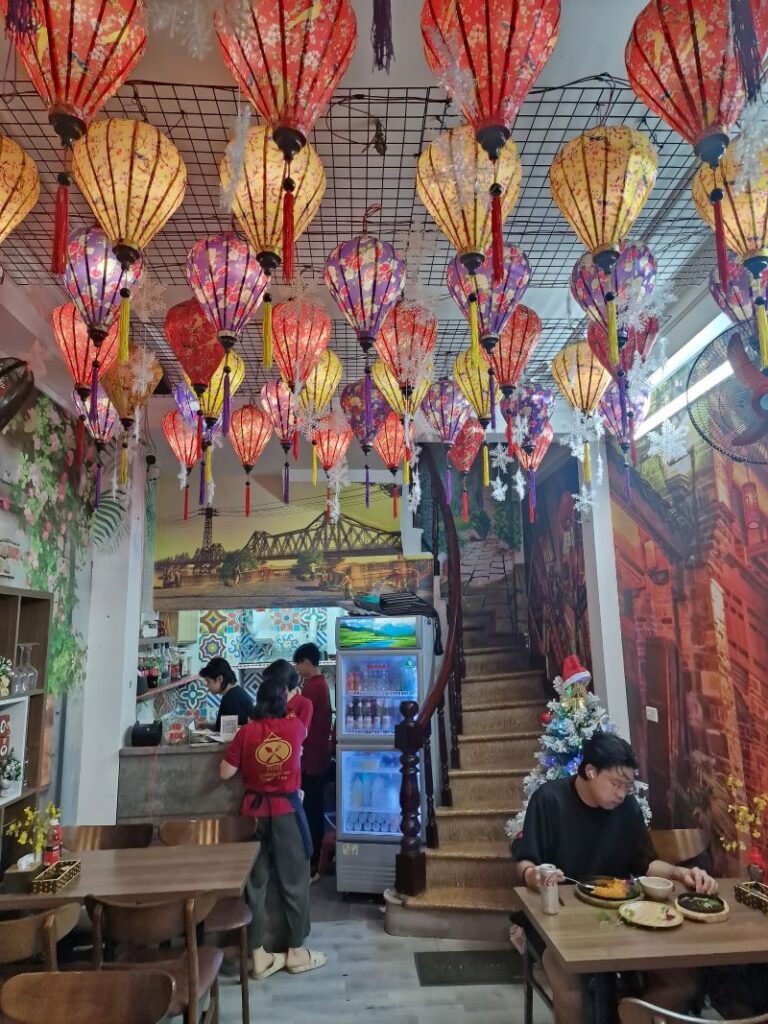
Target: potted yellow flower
31,830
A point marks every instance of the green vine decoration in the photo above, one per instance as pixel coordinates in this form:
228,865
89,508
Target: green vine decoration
57,525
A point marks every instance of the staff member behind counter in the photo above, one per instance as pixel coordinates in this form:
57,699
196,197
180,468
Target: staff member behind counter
220,678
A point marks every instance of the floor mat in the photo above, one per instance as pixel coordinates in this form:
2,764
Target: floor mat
470,967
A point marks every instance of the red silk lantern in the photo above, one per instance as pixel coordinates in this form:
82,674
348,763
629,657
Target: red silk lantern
639,341
463,453
389,445
405,341
488,54
77,53
530,460
249,432
509,358
195,343
82,357
280,405
287,57
331,446
183,441
300,334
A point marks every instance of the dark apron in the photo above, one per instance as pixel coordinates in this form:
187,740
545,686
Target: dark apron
256,800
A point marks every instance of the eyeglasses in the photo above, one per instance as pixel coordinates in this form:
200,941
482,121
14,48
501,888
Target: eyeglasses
622,785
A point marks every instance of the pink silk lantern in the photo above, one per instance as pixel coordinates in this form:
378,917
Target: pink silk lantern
100,426
279,403
300,334
331,446
623,424
463,453
390,445
507,360
490,304
446,410
405,341
365,430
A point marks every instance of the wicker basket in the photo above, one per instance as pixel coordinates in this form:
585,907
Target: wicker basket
753,894
57,876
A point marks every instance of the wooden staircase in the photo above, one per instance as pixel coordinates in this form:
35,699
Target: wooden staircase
469,875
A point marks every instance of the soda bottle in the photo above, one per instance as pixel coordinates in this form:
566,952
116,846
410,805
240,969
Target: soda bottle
349,719
52,852
357,714
367,714
377,709
386,717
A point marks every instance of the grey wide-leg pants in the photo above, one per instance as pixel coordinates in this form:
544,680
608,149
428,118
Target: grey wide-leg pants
282,856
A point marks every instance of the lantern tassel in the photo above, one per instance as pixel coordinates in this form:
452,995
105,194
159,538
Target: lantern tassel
79,442
367,486
395,509
124,326
295,445
486,467
368,398
266,328
497,237
247,497
97,485
627,482
286,483
226,411
716,198
61,225
761,316
123,477
328,504
314,465
613,328
746,46
288,229
531,495
492,396
474,331
448,486
186,500
93,411
509,431
381,35
623,403
199,434
406,473
465,503
587,464
201,492
209,464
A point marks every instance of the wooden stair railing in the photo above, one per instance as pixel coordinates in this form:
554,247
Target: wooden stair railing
414,734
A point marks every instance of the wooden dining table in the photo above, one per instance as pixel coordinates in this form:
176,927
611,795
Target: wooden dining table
595,943
156,872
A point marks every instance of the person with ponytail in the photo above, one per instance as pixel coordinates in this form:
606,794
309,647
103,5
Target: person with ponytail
267,754
218,675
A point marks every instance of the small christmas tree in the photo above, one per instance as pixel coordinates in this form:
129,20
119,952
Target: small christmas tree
573,717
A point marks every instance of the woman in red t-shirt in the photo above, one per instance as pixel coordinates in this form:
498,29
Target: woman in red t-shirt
267,753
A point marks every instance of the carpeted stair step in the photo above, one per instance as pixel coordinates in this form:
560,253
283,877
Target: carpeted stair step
502,716
481,689
484,660
484,899
471,865
510,750
488,788
469,825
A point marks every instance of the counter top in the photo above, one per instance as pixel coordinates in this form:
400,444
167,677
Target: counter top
177,748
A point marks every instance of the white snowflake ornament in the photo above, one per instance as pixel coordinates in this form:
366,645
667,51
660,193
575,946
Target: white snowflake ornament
669,442
520,483
498,489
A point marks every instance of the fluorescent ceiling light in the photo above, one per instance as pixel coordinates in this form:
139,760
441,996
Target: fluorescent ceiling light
690,349
717,376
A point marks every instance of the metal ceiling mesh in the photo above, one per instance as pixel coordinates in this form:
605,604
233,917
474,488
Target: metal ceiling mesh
198,120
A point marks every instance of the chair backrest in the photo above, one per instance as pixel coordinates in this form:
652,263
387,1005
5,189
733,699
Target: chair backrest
25,937
82,997
141,924
635,1011
678,845
206,831
107,837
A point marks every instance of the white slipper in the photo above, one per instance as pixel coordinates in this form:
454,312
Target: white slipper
315,960
278,963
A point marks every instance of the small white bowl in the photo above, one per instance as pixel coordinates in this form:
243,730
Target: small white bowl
657,889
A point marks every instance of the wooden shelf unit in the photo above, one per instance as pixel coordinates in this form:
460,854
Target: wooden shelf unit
25,617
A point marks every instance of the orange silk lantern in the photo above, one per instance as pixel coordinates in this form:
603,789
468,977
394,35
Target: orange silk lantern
183,441
300,334
249,432
389,445
405,341
582,381
331,445
129,387
509,358
530,462
195,343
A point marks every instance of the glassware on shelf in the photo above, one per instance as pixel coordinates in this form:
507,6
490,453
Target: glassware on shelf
18,673
30,683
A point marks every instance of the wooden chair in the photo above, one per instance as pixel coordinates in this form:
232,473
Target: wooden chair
82,997
22,938
635,1011
679,845
133,929
229,915
107,837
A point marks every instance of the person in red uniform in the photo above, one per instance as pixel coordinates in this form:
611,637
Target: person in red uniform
267,754
316,758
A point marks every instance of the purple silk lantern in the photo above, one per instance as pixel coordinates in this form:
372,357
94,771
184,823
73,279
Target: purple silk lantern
101,427
224,274
365,430
446,410
280,405
366,278
622,424
533,407
189,406
736,300
95,281
495,303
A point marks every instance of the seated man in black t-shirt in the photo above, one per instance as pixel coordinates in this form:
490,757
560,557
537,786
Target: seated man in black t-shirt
590,825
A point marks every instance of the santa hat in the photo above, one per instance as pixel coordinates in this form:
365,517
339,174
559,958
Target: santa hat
574,672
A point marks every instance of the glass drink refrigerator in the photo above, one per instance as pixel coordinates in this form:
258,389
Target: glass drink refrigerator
380,662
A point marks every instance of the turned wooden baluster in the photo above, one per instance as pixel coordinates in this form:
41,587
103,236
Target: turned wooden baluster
446,796
410,864
430,827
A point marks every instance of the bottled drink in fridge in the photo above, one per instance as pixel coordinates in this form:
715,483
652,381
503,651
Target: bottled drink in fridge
386,717
378,706
349,719
367,714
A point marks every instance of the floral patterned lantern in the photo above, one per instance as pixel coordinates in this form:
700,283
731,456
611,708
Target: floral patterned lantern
475,385
638,341
365,429
623,425
463,453
366,278
321,383
226,279
229,374
183,441
129,387
101,427
582,382
77,53
600,181
19,186
331,445
446,410
390,445
249,433
133,178
488,55
529,432
735,297
404,401
508,360
94,278
488,306
530,462
300,333
405,342
632,280
287,57
279,403
195,343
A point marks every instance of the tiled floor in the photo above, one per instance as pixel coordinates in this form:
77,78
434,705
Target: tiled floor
370,978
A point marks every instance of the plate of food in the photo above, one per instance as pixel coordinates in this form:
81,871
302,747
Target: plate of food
700,907
650,915
606,891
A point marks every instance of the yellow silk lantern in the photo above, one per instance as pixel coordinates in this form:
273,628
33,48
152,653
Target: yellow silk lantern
129,386
744,214
321,384
19,186
600,181
582,380
212,399
472,377
454,178
403,401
